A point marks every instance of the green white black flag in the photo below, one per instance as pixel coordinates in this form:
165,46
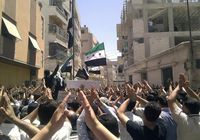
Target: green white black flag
96,56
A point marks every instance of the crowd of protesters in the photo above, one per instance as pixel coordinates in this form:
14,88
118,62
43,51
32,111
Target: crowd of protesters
130,111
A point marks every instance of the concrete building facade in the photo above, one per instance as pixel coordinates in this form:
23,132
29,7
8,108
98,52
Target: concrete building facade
57,14
21,42
88,41
110,73
151,28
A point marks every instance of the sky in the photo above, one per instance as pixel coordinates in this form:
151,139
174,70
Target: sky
101,17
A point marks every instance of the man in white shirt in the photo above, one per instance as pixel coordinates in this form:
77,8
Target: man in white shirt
187,118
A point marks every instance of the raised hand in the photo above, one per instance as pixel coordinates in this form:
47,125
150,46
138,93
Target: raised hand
90,117
94,94
130,91
59,116
181,80
6,109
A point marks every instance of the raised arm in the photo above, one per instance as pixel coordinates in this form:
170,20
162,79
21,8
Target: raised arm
32,116
7,111
121,112
147,85
172,99
92,122
55,123
186,86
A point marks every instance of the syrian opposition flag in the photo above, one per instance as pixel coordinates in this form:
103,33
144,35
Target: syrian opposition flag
94,70
70,34
96,56
67,66
82,73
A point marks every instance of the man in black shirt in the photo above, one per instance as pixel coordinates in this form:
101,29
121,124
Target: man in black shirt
151,129
51,82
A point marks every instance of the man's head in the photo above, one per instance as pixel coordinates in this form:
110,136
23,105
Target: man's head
46,73
152,111
72,116
162,100
46,110
191,106
32,106
110,123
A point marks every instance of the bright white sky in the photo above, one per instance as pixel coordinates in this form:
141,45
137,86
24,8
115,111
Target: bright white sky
101,16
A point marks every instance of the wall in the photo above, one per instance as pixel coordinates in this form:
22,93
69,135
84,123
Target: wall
23,25
28,18
40,40
158,43
174,57
139,52
138,28
13,75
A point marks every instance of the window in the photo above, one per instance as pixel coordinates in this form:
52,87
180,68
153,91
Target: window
167,76
82,31
125,37
120,68
130,79
52,49
4,32
143,76
8,24
139,40
42,27
138,13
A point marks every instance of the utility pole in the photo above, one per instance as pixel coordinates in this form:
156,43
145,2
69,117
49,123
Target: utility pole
191,41
73,49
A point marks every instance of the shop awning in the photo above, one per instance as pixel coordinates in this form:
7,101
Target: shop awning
34,43
12,29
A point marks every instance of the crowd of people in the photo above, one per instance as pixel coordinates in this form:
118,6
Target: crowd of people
131,111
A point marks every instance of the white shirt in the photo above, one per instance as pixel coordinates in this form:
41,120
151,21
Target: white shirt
82,128
188,126
61,134
10,130
64,132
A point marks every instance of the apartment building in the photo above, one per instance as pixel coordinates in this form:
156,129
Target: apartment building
110,72
56,14
150,28
88,41
21,42
120,77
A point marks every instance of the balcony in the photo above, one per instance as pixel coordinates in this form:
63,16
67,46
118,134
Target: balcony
58,10
60,33
7,47
119,45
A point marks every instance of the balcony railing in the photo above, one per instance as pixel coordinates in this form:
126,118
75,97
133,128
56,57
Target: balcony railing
60,33
59,8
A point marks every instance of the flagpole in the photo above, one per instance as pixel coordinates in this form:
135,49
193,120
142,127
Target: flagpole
106,66
73,28
99,74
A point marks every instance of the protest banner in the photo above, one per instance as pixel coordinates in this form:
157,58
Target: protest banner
83,83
